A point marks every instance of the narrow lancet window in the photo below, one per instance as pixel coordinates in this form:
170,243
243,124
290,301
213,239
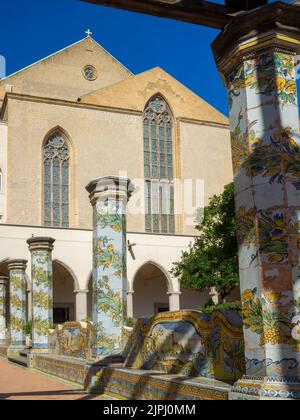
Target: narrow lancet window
158,167
56,181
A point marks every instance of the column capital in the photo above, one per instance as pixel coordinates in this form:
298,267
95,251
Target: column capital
174,293
110,186
41,243
17,265
130,292
3,280
83,291
275,26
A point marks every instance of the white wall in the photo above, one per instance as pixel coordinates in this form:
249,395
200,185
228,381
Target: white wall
3,167
73,248
73,251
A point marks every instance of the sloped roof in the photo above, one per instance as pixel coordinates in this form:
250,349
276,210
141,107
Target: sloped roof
59,75
134,93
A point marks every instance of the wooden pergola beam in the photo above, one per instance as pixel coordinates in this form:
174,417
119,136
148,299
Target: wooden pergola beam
199,12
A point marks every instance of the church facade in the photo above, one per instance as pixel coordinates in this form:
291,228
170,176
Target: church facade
79,115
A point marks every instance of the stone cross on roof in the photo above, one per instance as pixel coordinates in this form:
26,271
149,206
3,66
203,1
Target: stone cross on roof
88,33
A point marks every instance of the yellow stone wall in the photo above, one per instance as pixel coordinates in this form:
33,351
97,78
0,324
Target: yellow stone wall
105,131
60,75
102,142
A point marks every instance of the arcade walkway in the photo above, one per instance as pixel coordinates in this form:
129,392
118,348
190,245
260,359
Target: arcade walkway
17,383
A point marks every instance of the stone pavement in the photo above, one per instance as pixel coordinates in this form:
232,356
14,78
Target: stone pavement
18,383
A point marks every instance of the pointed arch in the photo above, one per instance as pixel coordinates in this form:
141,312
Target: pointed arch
160,268
56,153
158,128
70,271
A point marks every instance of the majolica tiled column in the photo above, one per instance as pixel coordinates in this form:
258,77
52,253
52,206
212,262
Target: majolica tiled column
3,310
42,291
109,196
259,71
17,298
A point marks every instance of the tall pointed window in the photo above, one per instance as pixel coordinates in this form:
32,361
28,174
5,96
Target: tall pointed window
158,165
56,181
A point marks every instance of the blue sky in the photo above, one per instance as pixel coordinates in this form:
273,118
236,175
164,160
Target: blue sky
33,29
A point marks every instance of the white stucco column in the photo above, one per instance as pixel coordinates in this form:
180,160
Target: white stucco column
174,301
214,295
130,294
81,304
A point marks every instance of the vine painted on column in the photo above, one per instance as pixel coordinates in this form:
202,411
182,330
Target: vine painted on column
17,307
2,313
279,158
113,220
258,74
272,233
285,82
42,297
273,318
107,257
109,269
273,236
110,302
2,304
246,226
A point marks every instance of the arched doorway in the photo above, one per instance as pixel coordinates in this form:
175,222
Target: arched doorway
150,291
64,300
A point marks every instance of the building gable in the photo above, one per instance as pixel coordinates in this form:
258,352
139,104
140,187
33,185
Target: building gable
61,75
135,92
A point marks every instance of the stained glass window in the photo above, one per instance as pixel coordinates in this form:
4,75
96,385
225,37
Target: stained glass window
56,181
158,167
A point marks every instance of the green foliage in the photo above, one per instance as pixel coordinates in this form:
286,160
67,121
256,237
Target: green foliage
28,328
88,320
130,322
235,306
212,261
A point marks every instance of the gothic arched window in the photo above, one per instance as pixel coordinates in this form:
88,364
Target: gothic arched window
56,181
158,166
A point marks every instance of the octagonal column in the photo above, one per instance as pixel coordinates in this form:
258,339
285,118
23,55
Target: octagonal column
17,298
42,291
3,310
257,62
109,196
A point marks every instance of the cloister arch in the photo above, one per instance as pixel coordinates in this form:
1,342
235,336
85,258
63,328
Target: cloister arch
64,300
151,289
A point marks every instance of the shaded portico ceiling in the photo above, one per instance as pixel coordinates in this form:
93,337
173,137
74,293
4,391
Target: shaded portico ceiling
206,13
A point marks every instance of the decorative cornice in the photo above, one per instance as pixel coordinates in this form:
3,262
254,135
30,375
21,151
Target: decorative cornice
110,186
276,24
41,243
231,71
3,280
64,102
202,122
17,265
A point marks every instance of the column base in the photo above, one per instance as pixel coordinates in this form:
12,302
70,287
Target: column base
266,388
